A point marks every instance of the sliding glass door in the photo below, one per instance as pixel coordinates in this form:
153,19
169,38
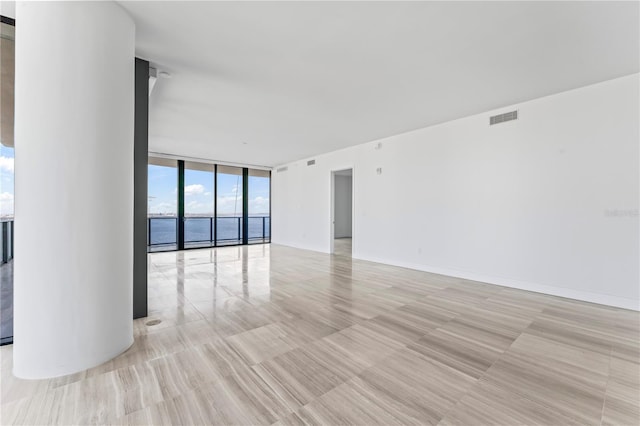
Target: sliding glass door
229,205
199,205
259,223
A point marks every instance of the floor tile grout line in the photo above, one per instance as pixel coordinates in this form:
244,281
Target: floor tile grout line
541,403
606,387
484,374
479,379
200,386
145,362
350,378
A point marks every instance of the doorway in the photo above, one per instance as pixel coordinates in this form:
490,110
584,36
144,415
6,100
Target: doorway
342,212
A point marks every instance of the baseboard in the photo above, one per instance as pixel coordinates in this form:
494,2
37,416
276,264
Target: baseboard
300,246
585,296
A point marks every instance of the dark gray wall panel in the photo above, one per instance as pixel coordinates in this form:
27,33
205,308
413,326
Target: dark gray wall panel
140,158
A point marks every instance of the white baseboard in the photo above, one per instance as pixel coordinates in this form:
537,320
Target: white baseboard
569,293
585,296
300,246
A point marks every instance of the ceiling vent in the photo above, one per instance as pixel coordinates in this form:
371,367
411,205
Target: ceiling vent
282,169
311,162
502,118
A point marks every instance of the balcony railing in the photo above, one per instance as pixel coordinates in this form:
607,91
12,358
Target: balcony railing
163,231
7,240
199,231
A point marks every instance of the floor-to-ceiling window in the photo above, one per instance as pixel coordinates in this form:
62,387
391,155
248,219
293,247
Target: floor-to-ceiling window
195,204
259,192
7,52
163,205
229,202
199,205
6,248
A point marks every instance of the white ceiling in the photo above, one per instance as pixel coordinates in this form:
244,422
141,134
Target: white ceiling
267,83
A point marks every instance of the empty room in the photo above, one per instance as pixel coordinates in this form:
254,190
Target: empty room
320,212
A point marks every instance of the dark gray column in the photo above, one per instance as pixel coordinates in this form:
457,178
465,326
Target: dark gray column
180,227
245,206
140,160
215,205
270,217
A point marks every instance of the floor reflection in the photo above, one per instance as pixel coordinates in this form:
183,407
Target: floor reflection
253,335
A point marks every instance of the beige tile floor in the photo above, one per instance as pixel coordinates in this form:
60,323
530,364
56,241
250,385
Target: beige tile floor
268,334
342,246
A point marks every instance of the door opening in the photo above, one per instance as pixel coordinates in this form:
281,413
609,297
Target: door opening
342,212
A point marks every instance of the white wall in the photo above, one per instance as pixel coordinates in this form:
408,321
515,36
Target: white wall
74,186
342,207
547,203
8,8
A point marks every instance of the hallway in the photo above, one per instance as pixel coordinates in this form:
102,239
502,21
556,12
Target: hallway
342,247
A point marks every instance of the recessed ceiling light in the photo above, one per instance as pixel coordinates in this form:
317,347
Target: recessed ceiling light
164,74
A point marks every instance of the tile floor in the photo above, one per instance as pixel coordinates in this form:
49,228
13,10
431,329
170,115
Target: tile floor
267,334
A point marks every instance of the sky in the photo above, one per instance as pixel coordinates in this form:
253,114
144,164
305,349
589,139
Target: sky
6,181
198,188
163,190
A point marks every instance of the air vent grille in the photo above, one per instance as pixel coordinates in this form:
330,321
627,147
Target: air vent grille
282,169
311,162
502,118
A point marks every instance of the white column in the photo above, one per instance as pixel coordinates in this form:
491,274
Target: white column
74,118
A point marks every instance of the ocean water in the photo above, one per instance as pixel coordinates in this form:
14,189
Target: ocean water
163,230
